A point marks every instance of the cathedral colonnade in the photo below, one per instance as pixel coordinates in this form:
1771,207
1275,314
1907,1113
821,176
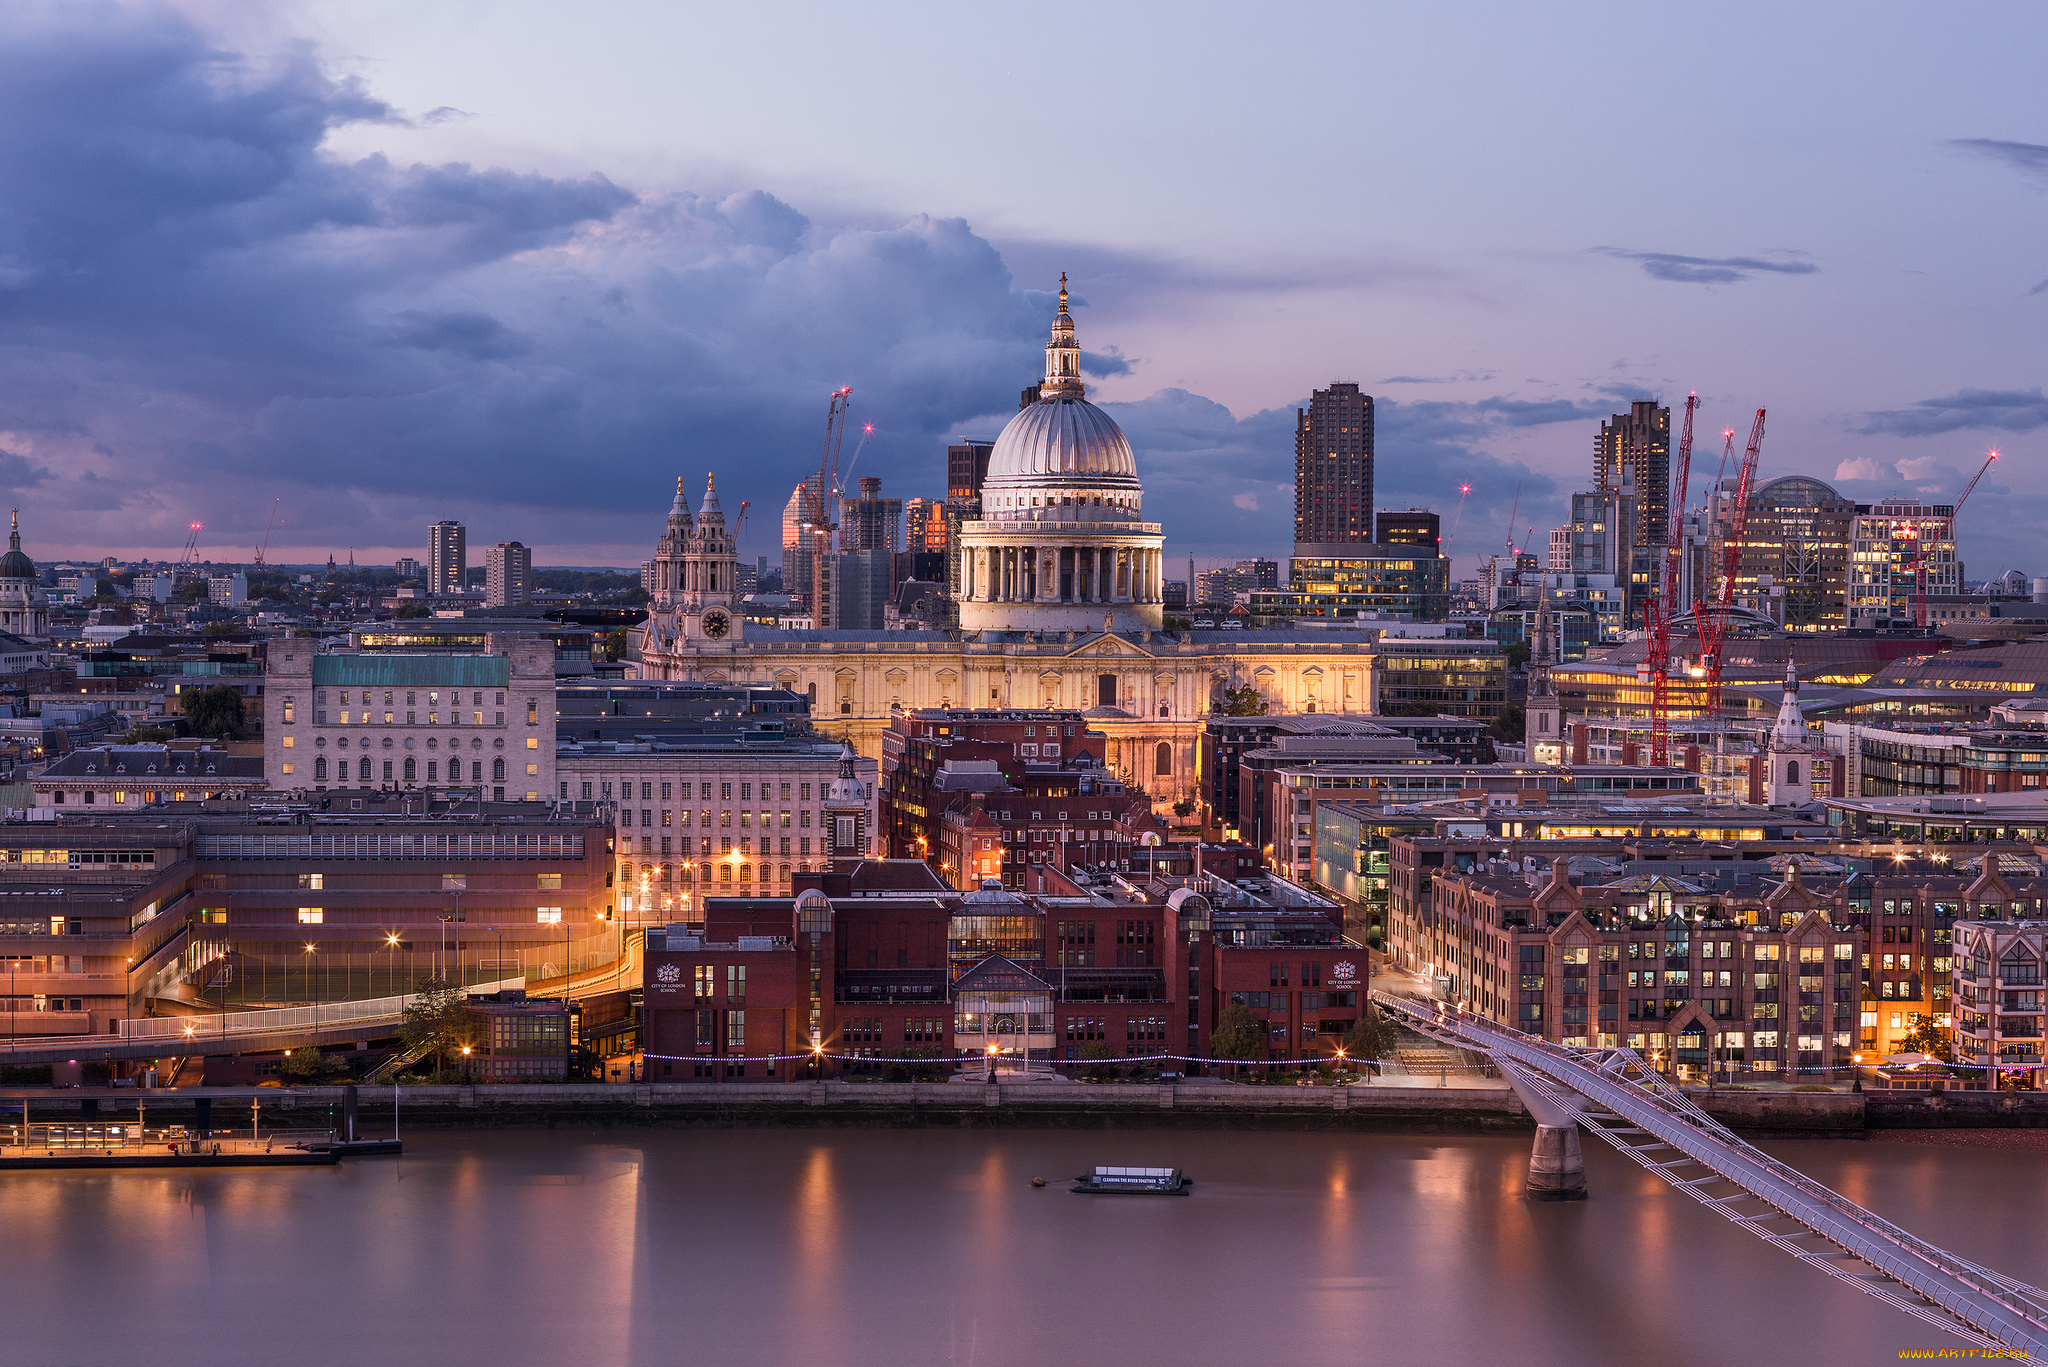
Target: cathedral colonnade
1080,572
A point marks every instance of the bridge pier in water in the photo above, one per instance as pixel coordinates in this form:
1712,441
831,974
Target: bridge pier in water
1557,1166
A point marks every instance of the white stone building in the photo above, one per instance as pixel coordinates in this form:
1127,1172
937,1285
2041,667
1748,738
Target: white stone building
719,817
1060,545
393,721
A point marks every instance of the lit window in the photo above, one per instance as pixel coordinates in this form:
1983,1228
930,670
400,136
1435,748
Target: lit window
549,916
311,916
533,742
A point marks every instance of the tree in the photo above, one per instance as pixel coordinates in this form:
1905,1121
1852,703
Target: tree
1510,724
216,711
1096,1053
1518,653
304,1065
1925,1037
215,630
437,1019
1184,808
151,735
407,611
1245,700
1370,1038
615,644
1177,624
193,591
918,1071
1238,1034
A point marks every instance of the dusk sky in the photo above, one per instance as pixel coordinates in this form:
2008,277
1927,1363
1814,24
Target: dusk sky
521,264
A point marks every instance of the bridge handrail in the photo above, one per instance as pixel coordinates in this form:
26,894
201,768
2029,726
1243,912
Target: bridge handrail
1627,1098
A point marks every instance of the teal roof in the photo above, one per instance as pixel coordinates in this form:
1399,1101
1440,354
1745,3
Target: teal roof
412,671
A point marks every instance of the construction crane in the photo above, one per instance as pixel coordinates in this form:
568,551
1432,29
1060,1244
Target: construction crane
264,549
1714,629
821,501
1949,527
191,555
740,520
1664,607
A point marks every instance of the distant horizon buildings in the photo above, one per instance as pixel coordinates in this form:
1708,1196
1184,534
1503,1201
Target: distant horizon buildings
447,557
508,573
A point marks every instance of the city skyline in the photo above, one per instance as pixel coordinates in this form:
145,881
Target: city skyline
327,283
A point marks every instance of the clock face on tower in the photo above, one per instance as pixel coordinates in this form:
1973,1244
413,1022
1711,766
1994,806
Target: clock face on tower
716,624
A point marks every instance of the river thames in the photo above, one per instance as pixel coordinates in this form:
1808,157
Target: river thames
860,1248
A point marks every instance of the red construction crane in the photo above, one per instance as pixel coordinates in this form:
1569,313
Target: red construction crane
1949,526
1665,606
1714,629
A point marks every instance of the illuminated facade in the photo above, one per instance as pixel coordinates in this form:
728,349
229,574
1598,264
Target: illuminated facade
1889,541
1348,580
1793,562
1059,544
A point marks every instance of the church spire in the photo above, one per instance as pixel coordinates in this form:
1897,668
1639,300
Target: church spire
14,532
1062,355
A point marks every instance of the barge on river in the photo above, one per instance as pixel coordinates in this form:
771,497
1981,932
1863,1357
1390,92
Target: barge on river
1133,1182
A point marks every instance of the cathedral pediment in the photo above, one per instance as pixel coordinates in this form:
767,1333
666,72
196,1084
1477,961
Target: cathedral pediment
1115,647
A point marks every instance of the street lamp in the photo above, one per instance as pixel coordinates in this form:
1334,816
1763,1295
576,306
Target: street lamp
309,974
465,1064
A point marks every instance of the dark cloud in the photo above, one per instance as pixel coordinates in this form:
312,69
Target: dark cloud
2000,410
1106,362
1538,412
478,336
2030,157
203,309
2041,288
1462,377
1710,270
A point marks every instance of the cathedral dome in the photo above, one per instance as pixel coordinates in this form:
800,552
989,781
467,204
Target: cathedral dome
15,564
1060,436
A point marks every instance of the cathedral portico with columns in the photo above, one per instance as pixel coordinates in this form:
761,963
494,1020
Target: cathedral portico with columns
1061,603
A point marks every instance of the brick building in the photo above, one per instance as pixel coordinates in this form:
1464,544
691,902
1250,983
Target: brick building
879,959
211,905
1752,980
1032,750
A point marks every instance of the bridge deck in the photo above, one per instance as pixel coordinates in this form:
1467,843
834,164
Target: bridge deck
1615,1095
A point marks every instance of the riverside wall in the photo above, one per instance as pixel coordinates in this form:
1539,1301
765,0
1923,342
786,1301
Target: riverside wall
1452,1110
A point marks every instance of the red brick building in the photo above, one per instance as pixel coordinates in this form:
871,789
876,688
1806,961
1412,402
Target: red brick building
878,959
1035,750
